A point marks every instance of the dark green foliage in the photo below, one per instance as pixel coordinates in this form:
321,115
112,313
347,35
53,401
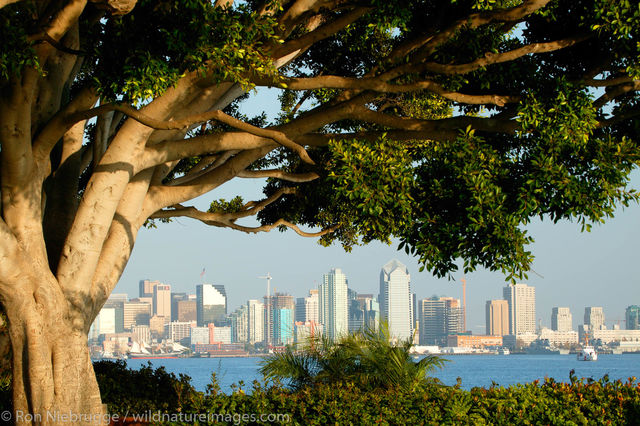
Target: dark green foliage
583,401
137,391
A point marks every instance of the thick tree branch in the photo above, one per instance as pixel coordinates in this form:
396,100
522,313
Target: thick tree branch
377,84
185,123
160,197
279,174
447,128
615,91
491,58
482,18
321,32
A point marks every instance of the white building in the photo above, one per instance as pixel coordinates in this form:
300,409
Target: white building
199,335
179,331
333,304
607,336
395,299
105,323
255,321
522,308
561,319
221,335
559,337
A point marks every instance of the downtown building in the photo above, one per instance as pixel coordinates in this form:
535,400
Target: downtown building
632,317
497,317
521,299
162,302
333,309
594,318
255,321
307,307
211,304
396,300
439,318
279,318
561,319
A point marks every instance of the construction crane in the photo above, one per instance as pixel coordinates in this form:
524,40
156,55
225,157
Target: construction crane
268,278
464,302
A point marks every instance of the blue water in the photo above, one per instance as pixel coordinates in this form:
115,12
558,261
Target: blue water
474,370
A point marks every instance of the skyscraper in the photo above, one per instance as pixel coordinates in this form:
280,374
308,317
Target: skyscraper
211,304
307,307
255,321
561,319
497,317
162,301
146,288
522,308
395,299
632,317
238,320
279,301
333,304
439,317
594,317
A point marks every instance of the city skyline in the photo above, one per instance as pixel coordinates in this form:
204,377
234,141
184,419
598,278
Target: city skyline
579,269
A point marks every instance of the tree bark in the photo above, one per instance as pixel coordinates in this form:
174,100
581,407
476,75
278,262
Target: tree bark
53,377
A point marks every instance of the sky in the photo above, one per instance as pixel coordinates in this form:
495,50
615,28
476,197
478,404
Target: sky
574,269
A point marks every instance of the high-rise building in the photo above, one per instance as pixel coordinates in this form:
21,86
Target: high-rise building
186,310
497,317
211,304
105,323
117,301
522,308
283,325
238,320
371,314
175,298
179,331
594,317
146,288
255,321
632,317
396,300
333,304
439,318
279,301
136,313
561,319
307,307
162,301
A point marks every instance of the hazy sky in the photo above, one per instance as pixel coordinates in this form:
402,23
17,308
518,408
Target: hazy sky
579,269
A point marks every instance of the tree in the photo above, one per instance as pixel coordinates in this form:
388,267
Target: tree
368,358
445,124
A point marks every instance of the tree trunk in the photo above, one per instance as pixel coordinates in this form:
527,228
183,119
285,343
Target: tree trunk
53,377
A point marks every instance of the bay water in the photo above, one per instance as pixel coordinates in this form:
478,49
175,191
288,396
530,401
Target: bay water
473,370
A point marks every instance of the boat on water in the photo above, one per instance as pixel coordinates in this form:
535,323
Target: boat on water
588,353
170,351
504,351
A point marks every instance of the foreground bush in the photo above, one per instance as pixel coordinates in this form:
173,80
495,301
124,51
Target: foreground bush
583,401
369,358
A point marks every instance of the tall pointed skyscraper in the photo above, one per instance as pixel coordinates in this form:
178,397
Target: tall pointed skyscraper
396,300
333,304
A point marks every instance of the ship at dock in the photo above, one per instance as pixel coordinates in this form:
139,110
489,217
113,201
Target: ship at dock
167,350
